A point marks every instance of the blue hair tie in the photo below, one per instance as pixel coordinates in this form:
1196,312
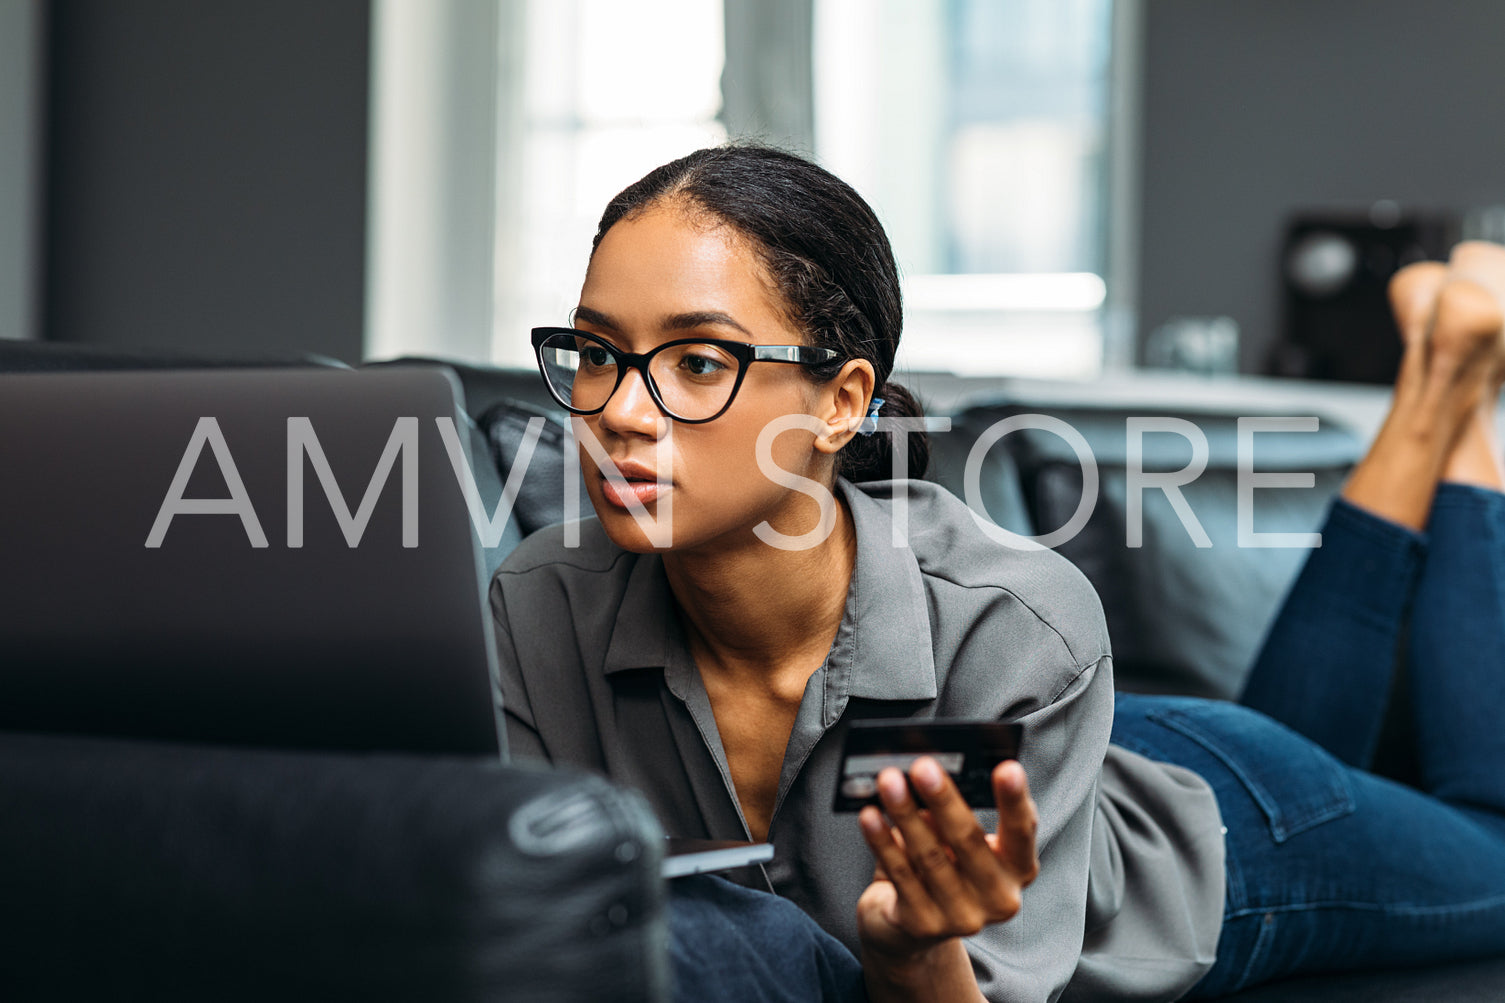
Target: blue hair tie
870,423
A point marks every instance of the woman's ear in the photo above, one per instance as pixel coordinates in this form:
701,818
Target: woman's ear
843,404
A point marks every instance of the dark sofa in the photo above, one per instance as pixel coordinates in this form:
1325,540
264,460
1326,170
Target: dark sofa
189,861
161,871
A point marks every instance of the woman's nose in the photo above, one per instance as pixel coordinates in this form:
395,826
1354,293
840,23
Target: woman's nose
631,409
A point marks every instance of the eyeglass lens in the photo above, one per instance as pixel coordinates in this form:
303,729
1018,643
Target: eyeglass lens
694,380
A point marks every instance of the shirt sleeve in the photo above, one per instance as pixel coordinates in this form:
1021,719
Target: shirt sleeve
1032,957
509,694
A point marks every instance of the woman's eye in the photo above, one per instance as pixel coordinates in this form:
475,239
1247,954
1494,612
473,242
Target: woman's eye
596,356
701,365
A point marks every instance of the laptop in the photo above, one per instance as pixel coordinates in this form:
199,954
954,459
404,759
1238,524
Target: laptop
685,857
160,580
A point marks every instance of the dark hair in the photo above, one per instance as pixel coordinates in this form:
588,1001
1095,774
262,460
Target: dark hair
825,251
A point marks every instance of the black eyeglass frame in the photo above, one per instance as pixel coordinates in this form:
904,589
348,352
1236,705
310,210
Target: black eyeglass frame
743,352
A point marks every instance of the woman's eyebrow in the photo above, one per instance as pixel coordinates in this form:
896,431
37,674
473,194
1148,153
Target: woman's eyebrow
701,318
673,322
596,317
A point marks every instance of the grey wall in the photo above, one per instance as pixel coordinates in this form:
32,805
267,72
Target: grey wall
1253,108
21,34
206,182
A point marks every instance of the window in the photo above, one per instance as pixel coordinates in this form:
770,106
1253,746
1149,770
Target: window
978,129
607,92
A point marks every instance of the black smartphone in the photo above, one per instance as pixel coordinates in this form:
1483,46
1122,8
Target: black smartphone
967,750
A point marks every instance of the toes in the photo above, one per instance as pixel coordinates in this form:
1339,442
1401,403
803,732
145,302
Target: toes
1476,252
1481,262
1413,297
1468,322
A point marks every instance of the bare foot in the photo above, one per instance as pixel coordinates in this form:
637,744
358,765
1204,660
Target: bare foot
1483,264
1476,457
1466,333
1413,298
1448,381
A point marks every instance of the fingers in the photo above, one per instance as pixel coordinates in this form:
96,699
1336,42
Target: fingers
955,824
948,878
1018,822
918,914
922,867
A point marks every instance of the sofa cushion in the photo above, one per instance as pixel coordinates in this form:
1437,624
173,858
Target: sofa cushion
1183,618
540,499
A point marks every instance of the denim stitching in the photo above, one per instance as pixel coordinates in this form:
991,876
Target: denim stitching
1283,825
1478,905
1262,942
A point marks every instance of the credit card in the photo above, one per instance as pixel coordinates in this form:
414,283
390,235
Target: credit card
967,750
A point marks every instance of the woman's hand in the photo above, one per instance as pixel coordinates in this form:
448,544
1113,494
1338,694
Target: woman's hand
939,875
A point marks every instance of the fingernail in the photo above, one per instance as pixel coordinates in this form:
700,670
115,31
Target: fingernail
891,783
871,821
927,775
1010,780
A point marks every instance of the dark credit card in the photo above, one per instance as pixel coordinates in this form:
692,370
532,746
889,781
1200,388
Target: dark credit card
967,750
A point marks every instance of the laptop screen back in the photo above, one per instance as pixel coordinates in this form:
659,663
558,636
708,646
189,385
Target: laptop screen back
164,574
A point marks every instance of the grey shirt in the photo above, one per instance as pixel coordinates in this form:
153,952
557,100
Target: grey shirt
596,673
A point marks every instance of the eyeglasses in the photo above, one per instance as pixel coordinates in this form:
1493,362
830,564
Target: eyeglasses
692,380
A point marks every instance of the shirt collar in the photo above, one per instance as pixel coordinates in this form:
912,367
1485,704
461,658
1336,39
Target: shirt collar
887,612
647,623
883,646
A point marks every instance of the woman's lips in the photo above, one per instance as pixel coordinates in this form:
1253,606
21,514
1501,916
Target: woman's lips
617,493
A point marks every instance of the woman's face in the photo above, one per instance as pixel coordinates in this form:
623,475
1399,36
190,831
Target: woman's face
666,275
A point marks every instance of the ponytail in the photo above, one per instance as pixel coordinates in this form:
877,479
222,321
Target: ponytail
871,457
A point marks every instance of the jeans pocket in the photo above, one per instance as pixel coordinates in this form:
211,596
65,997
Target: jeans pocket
1296,783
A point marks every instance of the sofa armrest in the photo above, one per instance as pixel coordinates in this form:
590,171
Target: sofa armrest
131,869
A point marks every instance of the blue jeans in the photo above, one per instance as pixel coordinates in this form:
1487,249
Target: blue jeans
1331,867
729,943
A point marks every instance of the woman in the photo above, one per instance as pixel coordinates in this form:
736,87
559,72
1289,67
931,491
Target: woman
708,639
